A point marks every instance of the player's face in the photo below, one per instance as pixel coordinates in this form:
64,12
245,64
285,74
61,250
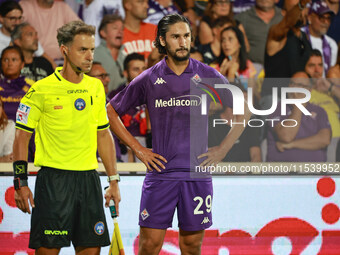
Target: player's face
113,34
314,67
81,51
99,72
11,64
135,68
29,39
177,41
230,44
11,19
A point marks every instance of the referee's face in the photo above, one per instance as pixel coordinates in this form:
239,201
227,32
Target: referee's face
81,51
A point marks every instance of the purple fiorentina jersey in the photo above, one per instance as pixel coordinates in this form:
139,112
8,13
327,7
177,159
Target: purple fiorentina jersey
11,92
179,129
310,125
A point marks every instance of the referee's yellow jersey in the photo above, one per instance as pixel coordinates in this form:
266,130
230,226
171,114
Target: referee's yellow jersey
66,117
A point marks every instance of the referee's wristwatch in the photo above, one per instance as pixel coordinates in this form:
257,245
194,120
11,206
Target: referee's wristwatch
115,177
18,183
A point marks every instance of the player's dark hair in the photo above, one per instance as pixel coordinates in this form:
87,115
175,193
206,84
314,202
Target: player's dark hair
243,52
108,19
17,31
163,28
67,32
131,57
13,47
8,6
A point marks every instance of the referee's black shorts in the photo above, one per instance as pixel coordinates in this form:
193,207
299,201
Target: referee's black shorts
68,207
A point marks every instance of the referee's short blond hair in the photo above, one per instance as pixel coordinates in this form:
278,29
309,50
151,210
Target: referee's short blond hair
67,32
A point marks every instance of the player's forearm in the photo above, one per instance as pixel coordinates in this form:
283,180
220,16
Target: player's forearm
316,142
107,151
119,129
20,145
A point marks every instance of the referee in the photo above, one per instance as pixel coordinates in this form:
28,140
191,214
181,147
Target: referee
67,110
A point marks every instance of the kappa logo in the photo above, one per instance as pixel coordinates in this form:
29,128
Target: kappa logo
205,220
159,81
144,214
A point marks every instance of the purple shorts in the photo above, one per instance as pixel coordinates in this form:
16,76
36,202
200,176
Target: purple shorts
193,201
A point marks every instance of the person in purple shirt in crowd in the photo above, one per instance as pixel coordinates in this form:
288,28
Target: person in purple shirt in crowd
307,140
173,91
135,119
13,86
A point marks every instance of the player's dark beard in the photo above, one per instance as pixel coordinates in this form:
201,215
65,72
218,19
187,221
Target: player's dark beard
177,58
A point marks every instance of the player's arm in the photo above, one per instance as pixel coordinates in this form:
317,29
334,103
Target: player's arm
107,152
20,151
149,158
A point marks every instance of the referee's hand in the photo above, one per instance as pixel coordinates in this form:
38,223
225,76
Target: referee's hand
113,192
22,196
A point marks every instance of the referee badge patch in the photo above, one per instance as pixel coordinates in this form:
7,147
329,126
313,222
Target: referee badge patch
22,113
80,104
99,228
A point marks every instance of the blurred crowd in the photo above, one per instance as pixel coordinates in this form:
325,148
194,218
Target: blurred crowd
262,45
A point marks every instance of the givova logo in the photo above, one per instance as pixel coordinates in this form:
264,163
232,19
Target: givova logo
56,232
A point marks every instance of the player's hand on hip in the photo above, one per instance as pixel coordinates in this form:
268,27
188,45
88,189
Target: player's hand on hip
22,197
150,159
213,156
113,193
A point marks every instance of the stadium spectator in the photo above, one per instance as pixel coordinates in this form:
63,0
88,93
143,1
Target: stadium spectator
256,22
307,139
233,61
7,133
212,51
334,72
214,10
158,9
319,20
135,119
46,16
246,148
138,35
110,51
322,95
10,16
287,51
93,11
26,37
333,30
13,85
